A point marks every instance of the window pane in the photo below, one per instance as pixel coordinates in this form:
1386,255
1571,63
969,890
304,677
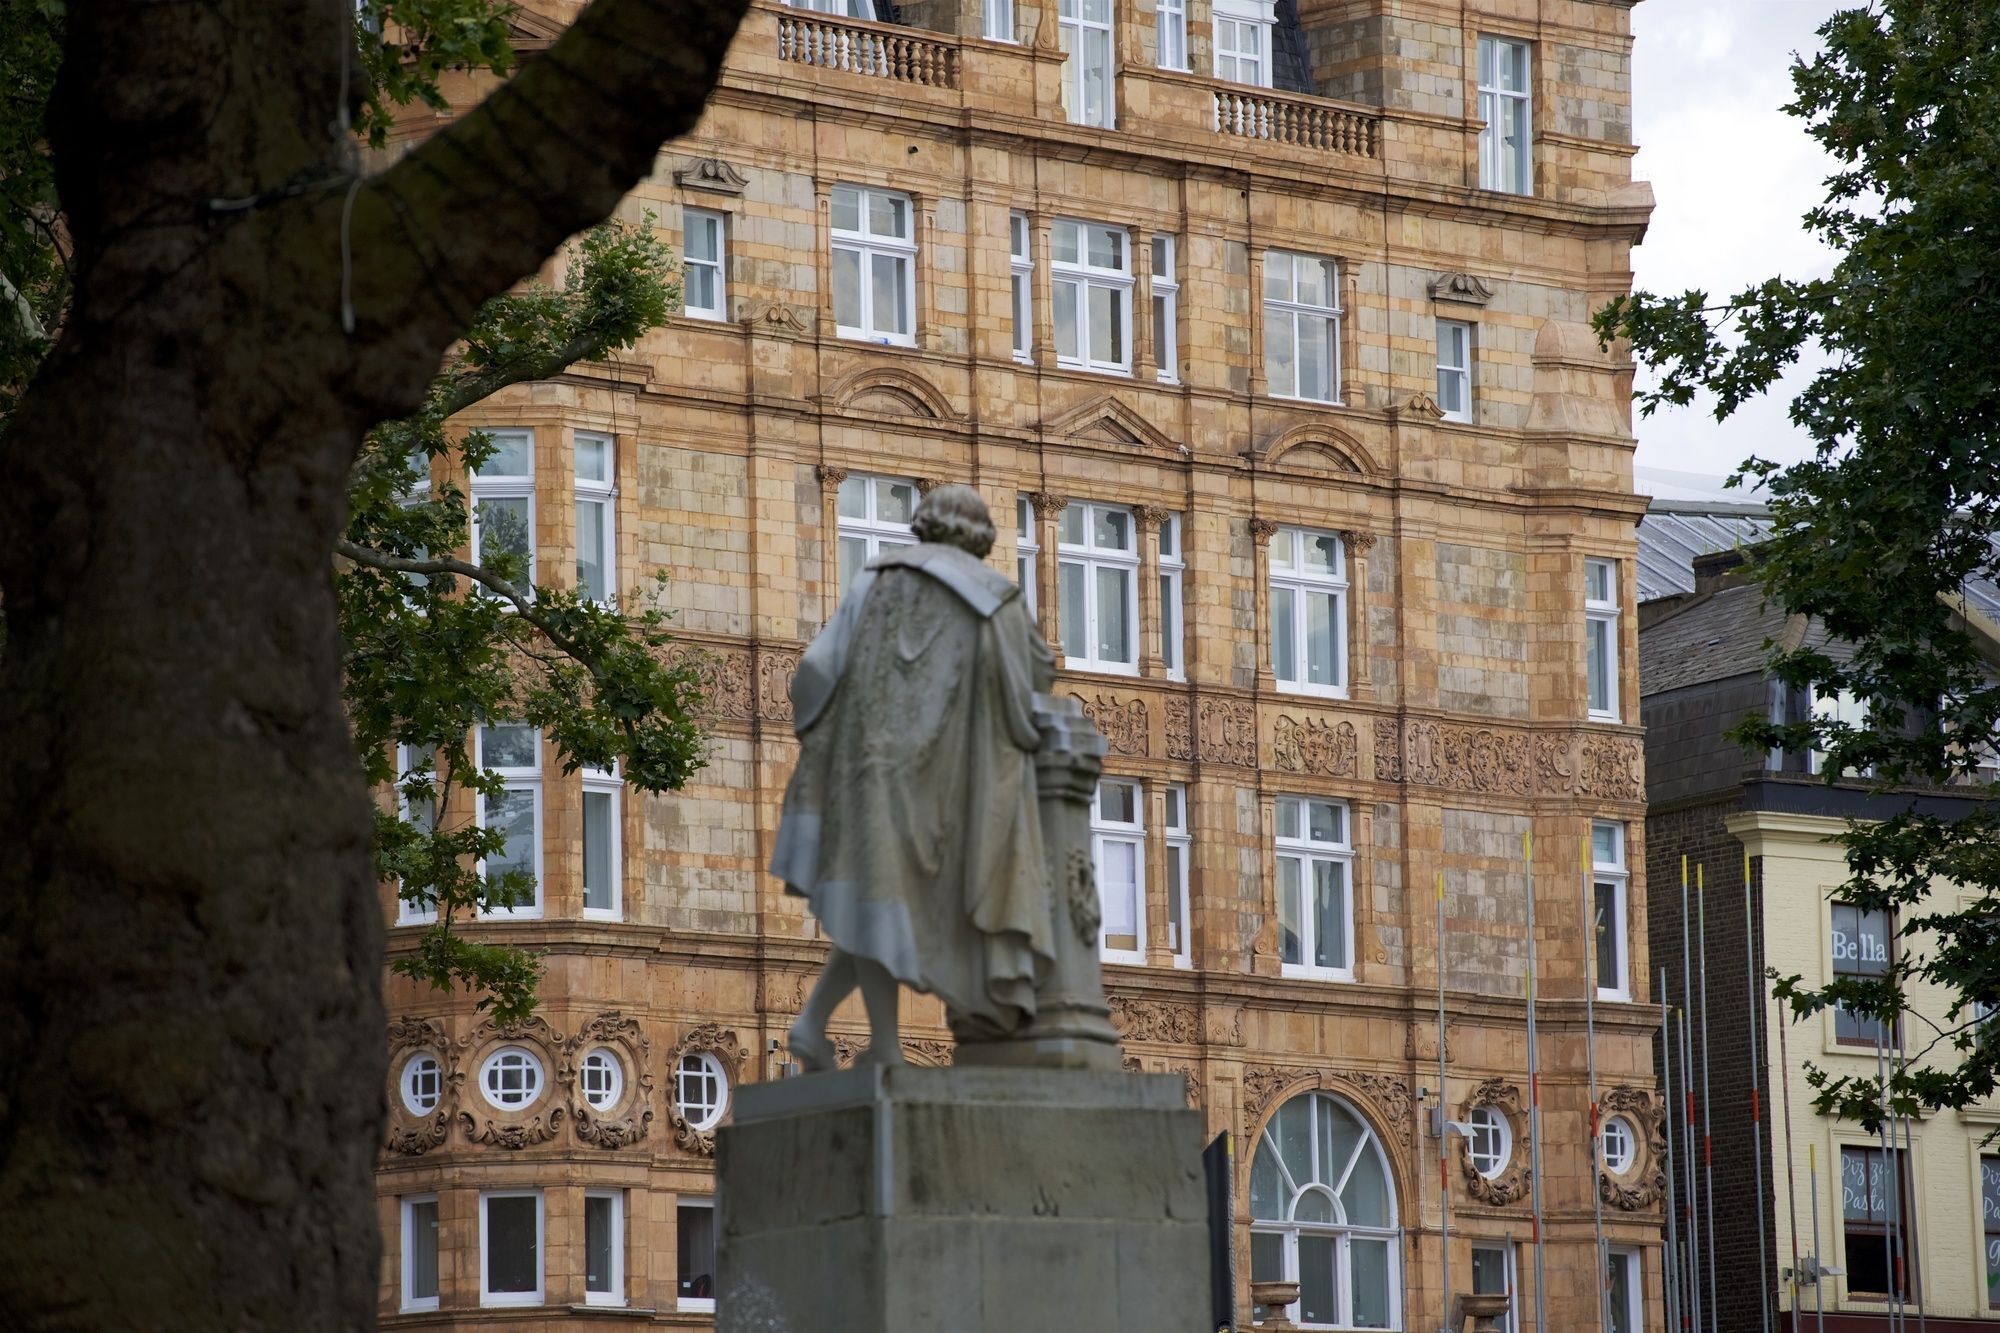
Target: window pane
1071,623
1608,965
695,1251
1107,337
1315,358
702,234
1070,529
1324,822
512,1264
506,745
892,312
1267,1189
1279,367
1322,640
1170,634
1366,1197
1114,615
895,501
854,497
593,458
1120,894
1176,882
853,555
1371,1283
1163,258
847,288
1111,529
509,457
1599,639
422,1279
1604,845
599,1235
846,208
1315,282
1065,304
1288,818
1319,1280
1322,552
1597,580
1267,1251
1277,276
1620,1275
599,890
1096,74
1107,247
1289,947
512,814
1067,241
1284,635
590,524
1329,914
888,215
1118,802
1017,235
503,531
1450,385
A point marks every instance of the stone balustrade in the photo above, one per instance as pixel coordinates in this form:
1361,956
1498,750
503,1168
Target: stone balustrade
899,54
1259,113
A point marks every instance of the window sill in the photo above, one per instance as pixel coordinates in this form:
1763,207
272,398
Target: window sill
875,339
510,1302
1123,372
706,316
1457,419
1314,402
601,914
1311,691
1300,972
420,1307
1123,957
1100,668
696,1305
511,914
615,1311
1615,996
1604,719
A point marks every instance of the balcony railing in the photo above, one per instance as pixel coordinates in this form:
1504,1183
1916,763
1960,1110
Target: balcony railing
857,48
1262,114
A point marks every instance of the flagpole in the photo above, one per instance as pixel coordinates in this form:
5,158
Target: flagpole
1707,1142
1534,1094
1590,983
1676,1320
1687,1112
1444,1115
1750,924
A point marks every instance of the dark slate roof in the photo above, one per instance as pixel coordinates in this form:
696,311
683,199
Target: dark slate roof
1291,66
1713,639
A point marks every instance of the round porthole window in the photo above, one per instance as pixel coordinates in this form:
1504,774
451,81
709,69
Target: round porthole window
423,1083
1491,1143
701,1090
1620,1145
603,1079
511,1077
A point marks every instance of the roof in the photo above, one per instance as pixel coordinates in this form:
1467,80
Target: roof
1713,639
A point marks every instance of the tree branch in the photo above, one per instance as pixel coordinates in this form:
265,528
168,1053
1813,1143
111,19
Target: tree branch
23,311
483,384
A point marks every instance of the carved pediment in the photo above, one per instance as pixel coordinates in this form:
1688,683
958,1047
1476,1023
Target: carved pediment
888,391
1106,420
529,31
1463,288
710,173
1314,447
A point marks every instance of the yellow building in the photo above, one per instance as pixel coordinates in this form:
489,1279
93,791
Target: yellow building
1263,329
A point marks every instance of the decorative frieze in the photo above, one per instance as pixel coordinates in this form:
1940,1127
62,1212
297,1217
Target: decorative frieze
1388,1095
1155,1020
1330,750
1126,725
410,1134
1227,733
1180,728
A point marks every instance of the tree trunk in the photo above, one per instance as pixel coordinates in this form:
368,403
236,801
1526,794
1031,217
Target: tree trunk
192,1060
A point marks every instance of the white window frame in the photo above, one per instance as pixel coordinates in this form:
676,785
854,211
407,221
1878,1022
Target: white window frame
610,1061
868,246
1505,1249
1499,1151
1172,628
406,1083
997,21
1297,584
1074,31
517,779
1027,552
1086,277
695,1304
1342,1233
717,224
1289,313
1235,19
1309,851
706,1067
1635,1286
1625,1159
846,9
1601,612
410,1203
615,1296
1170,34
875,532
601,494
1021,280
1611,871
1091,559
1105,831
506,486
1454,368
1165,290
1507,171
407,913
529,1060
1179,837
604,782
489,1298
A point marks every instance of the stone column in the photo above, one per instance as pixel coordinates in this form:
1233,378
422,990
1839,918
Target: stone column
829,523
1152,665
1259,383
1048,587
1360,682
1261,532
1041,291
1145,356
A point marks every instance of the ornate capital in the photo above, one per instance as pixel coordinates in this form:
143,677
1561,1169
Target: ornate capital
710,173
1358,541
830,477
1462,288
1047,505
1263,528
1150,517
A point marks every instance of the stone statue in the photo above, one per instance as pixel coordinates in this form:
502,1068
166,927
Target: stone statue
911,824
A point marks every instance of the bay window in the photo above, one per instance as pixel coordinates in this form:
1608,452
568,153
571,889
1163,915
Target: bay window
503,505
596,542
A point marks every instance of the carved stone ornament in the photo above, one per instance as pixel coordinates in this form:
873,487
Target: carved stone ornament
925,1052
1465,758
1386,1096
1263,529
830,477
1125,725
1329,749
776,317
721,1043
1512,1182
538,1120
925,485
710,173
1644,1183
1388,750
1228,733
1358,541
1047,505
627,1120
775,669
1190,1080
1421,405
723,675
1086,913
1463,288
411,1134
1150,517
1155,1020
1585,764
1180,729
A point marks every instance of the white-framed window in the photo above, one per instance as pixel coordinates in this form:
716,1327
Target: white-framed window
511,1077
1091,287
422,1083
510,1247
1618,1145
1600,616
875,514
1309,612
1493,1275
1097,570
420,1252
1173,636
701,1090
1302,326
1180,852
704,264
604,1247
1021,273
602,1078
1490,1145
596,539
1084,29
1315,903
874,265
1454,369
1170,32
1166,293
998,25
514,752
1118,846
1243,41
847,9
694,1253
503,503
1836,706
416,799
603,862
1506,123
1027,551
1627,1292
1323,1215
1609,929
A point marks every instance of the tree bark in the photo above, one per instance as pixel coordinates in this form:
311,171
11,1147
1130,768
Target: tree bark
192,1061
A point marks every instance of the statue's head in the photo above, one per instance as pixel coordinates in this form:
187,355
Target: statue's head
955,516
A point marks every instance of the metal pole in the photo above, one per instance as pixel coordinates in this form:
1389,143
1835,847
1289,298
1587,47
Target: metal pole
1534,1094
1672,1274
1819,1292
1707,1142
1915,1237
1893,1184
1687,1142
1444,1135
1791,1170
1750,923
1590,1057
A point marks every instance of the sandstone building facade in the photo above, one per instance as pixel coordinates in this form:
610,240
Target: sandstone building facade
1263,329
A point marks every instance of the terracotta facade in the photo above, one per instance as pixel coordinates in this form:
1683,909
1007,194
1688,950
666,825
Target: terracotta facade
1463,723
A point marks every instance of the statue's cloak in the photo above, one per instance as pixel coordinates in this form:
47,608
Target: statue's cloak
911,823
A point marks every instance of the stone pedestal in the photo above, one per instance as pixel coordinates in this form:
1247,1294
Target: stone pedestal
914,1200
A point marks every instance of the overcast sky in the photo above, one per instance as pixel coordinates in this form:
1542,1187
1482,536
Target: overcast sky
1732,175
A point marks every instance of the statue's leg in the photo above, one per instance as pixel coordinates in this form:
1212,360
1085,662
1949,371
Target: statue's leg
807,1039
880,991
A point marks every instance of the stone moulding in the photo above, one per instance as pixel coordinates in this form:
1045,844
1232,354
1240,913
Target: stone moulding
1155,1020
711,174
1311,746
1126,726
538,1121
1384,1100
409,1134
1512,1182
1462,288
1486,760
720,1042
1645,1183
630,1119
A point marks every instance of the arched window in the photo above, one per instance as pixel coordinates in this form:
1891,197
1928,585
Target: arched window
1323,1214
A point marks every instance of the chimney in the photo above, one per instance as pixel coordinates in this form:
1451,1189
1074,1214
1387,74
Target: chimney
1722,569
